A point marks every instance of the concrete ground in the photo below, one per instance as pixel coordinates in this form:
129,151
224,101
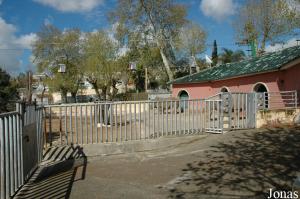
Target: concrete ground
237,164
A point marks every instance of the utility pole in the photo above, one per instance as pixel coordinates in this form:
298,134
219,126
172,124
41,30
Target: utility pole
146,79
29,86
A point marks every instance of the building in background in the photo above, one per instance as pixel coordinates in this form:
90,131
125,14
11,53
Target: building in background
271,72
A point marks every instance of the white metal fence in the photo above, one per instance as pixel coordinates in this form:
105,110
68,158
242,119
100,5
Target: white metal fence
135,120
17,160
278,100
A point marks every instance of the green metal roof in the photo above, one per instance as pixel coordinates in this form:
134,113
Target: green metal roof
265,63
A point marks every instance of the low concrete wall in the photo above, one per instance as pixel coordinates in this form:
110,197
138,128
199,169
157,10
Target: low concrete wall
276,117
102,149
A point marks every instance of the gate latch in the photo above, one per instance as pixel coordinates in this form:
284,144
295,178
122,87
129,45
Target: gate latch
26,137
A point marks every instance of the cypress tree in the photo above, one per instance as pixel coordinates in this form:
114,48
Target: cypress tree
214,54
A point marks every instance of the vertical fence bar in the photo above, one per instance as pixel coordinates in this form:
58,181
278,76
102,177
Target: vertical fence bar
162,118
246,111
167,118
130,121
145,130
60,125
116,122
135,131
3,159
184,113
180,116
101,122
121,112
140,127
208,114
106,121
14,123
11,158
219,115
96,122
149,118
238,110
193,116
86,125
50,126
153,112
71,127
176,109
66,130
91,123
158,119
242,110
81,125
7,155
171,107
125,121
18,143
76,129
21,142
110,121
189,116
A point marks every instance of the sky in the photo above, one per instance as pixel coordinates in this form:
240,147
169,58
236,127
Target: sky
21,19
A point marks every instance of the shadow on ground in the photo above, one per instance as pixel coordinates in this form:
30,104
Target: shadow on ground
246,167
55,179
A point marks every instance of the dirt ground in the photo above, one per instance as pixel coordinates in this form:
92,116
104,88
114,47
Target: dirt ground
237,164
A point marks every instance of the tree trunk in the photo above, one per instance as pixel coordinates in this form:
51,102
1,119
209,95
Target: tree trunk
104,92
64,96
73,94
95,87
167,64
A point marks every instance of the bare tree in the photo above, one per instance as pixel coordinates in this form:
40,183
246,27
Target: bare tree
140,22
264,20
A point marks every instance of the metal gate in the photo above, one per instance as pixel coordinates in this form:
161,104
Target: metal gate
214,114
21,144
239,110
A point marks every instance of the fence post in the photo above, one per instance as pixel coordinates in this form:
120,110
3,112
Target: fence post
296,99
20,108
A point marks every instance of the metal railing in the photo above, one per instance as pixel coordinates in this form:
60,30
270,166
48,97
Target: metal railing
15,169
278,100
131,120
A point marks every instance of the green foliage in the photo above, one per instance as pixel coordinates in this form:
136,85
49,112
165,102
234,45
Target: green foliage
8,91
55,47
265,20
101,67
150,22
229,56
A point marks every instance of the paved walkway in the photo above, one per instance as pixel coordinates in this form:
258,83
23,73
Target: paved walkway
240,164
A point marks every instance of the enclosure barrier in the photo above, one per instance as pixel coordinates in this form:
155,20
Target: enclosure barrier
122,121
16,167
278,100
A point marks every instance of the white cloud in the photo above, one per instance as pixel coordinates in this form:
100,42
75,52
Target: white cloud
11,46
48,20
218,9
71,5
1,2
280,46
26,41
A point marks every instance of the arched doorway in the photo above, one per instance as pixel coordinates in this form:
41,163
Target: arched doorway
183,96
262,88
224,90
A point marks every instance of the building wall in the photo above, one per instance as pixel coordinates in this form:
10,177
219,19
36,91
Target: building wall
275,81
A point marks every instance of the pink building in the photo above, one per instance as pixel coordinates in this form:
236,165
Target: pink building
272,72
